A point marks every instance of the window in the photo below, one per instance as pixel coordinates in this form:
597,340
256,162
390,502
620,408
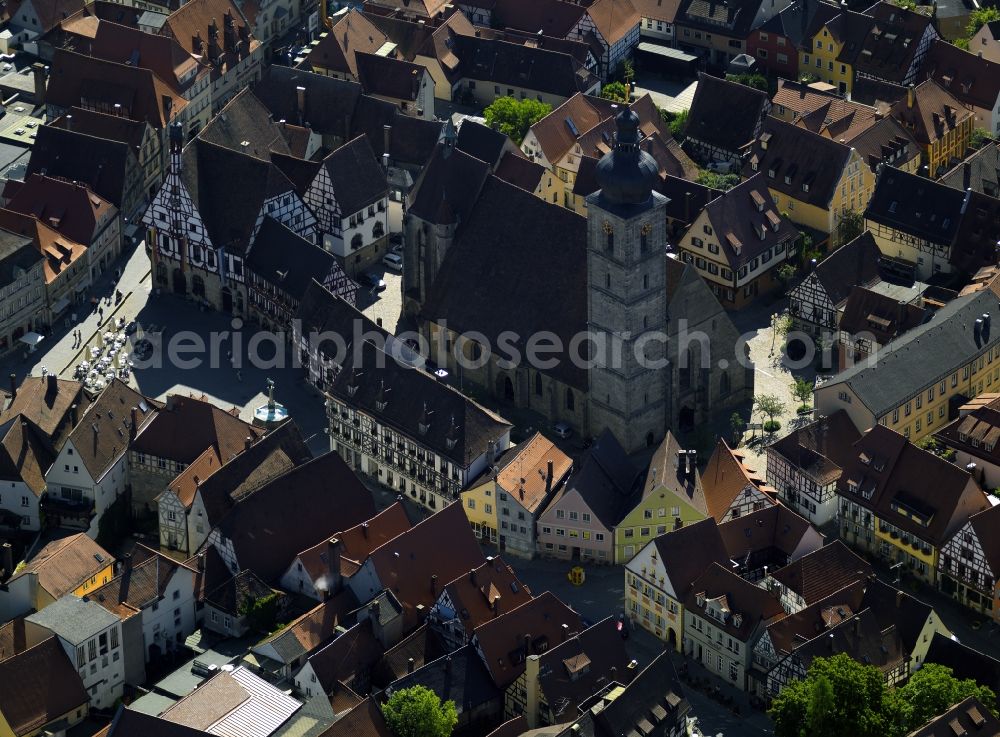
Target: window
560,514
586,516
470,503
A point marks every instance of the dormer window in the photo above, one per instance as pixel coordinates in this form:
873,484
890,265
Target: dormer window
805,187
700,599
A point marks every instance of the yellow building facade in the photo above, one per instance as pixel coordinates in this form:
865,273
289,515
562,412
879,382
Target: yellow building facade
821,60
479,504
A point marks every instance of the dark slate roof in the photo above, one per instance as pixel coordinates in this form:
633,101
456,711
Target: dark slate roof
687,551
17,253
853,264
889,52
300,172
964,661
822,448
862,637
573,671
128,723
915,205
229,189
286,259
980,172
517,65
800,20
738,216
795,157
655,690
978,234
680,206
481,141
893,606
869,91
882,316
968,717
522,172
321,311
456,427
245,125
543,265
725,114
98,162
356,175
277,452
606,480
270,526
448,187
329,102
460,677
389,77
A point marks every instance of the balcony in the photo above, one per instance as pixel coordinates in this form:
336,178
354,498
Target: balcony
72,509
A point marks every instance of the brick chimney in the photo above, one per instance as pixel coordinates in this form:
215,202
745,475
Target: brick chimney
39,76
548,476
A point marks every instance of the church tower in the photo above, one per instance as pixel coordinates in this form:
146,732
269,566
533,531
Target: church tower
626,300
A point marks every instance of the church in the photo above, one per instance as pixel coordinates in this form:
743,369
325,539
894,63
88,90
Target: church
520,267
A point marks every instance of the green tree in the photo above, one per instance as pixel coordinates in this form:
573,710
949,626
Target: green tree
513,117
262,612
723,182
737,424
979,18
679,124
419,712
850,226
757,81
838,696
802,389
786,272
979,137
905,4
933,689
769,406
626,72
615,91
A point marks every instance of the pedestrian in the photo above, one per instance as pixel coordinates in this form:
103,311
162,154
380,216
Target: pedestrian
100,313
239,375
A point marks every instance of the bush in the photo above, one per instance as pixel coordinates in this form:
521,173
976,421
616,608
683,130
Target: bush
772,426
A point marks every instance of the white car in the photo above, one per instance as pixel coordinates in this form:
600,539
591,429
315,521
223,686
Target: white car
393,261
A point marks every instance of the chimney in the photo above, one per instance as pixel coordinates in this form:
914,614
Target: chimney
564,630
126,574
135,424
38,74
830,641
72,415
51,385
300,102
899,598
8,560
69,122
965,202
434,583
247,442
548,477
687,208
496,606
986,326
532,668
857,626
472,576
447,664
527,645
333,555
410,665
364,529
386,137
911,96
13,386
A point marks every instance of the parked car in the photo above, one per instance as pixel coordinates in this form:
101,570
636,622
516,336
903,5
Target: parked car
562,430
393,261
721,167
372,281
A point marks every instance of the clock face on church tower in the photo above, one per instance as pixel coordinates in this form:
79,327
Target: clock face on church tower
647,228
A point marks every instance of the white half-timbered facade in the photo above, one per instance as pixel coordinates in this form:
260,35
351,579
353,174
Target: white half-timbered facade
350,197
186,260
968,564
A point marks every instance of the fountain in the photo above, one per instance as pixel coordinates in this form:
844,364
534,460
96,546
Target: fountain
272,414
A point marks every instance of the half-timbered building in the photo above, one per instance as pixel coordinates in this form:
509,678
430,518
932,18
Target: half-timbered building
280,269
350,197
405,429
969,564
732,489
816,303
902,503
204,220
805,465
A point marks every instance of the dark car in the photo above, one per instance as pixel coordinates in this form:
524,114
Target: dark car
372,281
131,328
